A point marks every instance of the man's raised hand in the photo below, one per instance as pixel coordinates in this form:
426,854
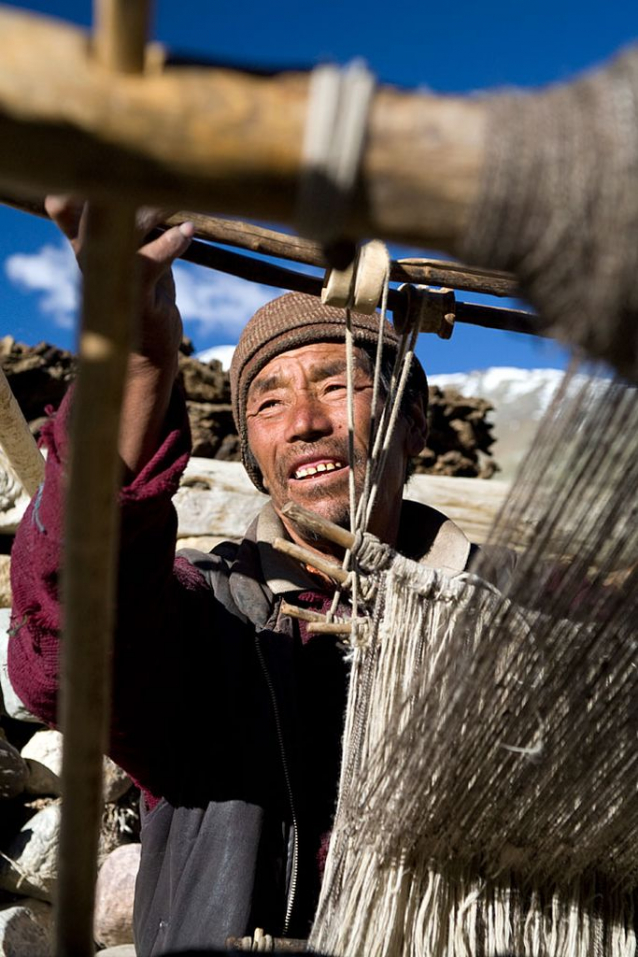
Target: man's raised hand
153,362
160,324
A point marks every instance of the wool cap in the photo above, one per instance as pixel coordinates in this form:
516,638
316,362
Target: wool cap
289,322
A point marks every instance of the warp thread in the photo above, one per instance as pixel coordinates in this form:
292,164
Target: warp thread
488,800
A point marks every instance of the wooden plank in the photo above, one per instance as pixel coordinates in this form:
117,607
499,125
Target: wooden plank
230,501
229,141
17,441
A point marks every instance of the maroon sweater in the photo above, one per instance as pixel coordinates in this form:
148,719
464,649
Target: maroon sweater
155,591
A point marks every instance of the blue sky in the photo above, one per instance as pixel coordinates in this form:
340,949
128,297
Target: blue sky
460,47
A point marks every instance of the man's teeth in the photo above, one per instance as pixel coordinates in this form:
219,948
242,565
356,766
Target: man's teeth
313,469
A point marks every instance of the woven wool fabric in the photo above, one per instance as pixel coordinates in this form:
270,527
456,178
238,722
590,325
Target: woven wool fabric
488,804
289,322
558,206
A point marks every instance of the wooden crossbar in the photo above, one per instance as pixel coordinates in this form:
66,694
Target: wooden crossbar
230,140
270,242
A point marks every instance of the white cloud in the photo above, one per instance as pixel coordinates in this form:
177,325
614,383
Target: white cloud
223,353
213,302
218,302
53,275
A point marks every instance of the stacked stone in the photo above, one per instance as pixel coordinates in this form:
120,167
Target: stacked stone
30,810
460,434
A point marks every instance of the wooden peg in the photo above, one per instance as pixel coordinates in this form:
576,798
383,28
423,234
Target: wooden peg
330,628
303,614
121,29
311,522
333,571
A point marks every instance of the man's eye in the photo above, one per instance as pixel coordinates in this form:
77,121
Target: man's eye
268,404
336,387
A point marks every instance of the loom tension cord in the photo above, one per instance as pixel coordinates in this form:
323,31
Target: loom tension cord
361,286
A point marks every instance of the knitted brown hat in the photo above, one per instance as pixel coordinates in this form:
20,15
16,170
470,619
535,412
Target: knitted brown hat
291,321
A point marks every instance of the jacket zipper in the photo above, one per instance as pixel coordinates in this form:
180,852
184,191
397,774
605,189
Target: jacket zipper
292,890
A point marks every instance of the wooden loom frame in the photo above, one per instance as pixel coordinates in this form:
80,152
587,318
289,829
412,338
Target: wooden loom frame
78,115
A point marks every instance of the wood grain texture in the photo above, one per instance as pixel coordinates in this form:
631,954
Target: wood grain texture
17,441
220,139
91,509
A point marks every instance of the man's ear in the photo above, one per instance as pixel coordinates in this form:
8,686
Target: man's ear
417,427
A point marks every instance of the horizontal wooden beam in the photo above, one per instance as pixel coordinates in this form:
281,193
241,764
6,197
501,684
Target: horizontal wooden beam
270,242
256,270
257,238
223,140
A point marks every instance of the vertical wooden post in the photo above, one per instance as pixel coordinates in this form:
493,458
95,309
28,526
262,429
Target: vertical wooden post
119,35
92,518
90,563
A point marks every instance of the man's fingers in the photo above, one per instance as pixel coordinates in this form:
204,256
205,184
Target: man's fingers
66,213
159,254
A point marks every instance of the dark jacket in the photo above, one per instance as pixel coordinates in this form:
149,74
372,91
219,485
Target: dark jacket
208,693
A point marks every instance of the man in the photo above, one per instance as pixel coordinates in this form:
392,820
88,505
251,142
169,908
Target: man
225,711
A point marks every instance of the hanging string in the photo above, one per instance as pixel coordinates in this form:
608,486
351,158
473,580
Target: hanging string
488,789
381,434
352,488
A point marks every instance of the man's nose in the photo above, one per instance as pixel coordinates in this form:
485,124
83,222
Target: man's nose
308,419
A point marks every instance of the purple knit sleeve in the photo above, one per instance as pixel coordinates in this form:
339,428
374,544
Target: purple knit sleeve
149,579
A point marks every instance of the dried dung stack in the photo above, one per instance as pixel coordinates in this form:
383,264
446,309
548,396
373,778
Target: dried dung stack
459,441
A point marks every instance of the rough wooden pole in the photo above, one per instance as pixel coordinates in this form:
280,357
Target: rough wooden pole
119,36
17,441
92,523
269,242
224,140
91,533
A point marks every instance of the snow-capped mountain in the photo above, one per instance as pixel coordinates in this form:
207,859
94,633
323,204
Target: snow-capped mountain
223,353
519,396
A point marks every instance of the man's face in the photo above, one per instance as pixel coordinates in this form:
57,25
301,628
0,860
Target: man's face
298,432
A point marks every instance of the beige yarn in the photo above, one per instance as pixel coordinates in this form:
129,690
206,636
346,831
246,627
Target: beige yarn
488,801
